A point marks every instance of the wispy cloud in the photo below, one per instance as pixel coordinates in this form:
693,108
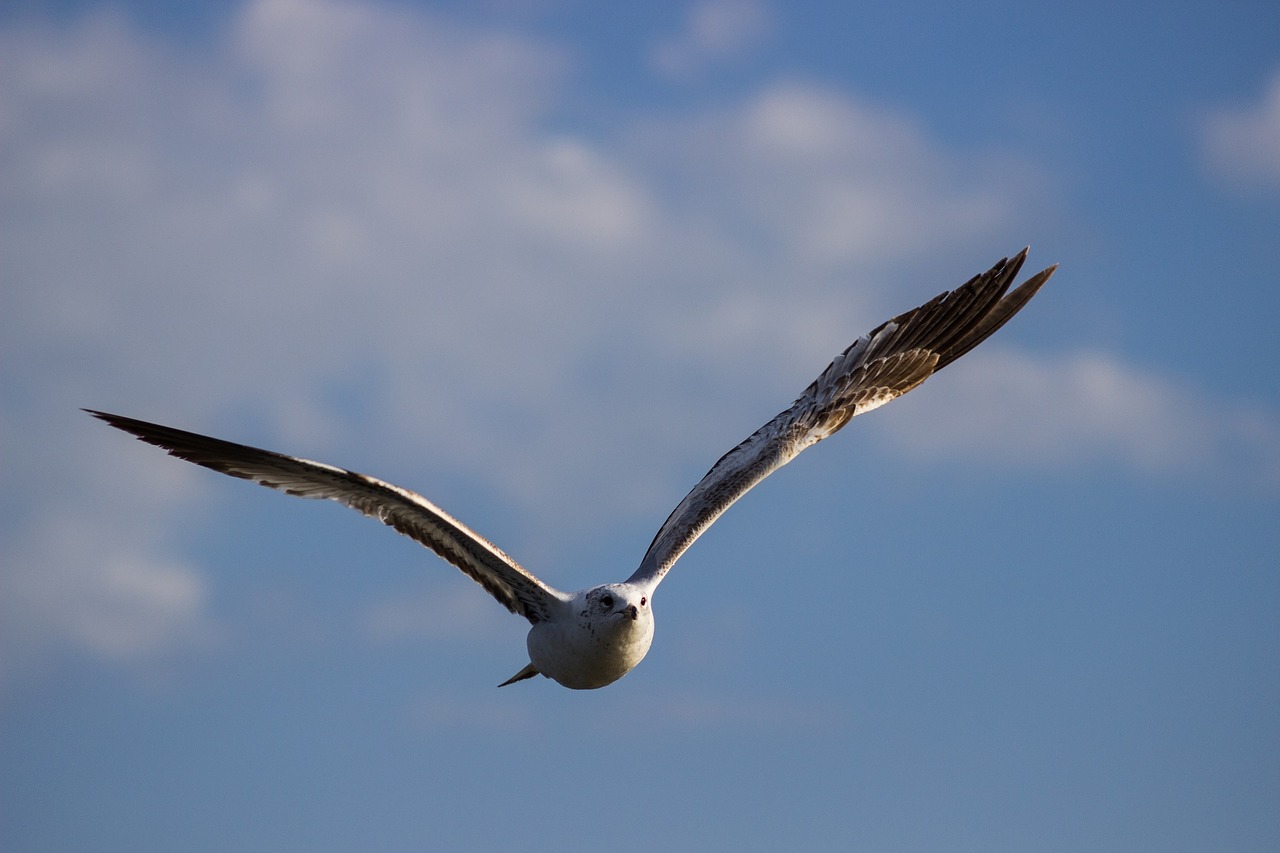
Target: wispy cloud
1242,144
829,181
1088,407
132,604
79,584
714,32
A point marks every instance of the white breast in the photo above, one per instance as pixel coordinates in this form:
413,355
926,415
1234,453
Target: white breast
583,654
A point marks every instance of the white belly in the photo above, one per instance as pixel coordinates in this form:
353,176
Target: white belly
584,656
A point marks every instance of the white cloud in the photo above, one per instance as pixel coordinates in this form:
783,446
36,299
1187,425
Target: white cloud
828,186
128,603
714,31
75,583
1243,144
1019,409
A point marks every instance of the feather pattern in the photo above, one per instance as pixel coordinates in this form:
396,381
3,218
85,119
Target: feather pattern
405,511
883,364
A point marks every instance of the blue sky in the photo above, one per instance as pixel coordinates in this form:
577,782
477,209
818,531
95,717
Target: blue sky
544,262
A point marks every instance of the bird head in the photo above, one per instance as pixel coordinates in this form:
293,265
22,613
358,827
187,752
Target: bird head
617,601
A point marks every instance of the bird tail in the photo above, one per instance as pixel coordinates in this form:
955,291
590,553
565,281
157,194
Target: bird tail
527,672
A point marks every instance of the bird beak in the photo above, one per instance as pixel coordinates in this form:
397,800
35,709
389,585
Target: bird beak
633,612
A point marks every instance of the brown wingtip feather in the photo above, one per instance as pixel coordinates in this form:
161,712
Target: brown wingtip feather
999,314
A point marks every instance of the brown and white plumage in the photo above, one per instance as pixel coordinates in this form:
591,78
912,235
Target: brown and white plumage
885,363
406,511
593,637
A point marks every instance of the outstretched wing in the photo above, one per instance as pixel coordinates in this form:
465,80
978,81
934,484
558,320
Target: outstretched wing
408,512
883,364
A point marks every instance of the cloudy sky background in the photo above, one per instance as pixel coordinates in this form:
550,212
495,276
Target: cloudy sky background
544,262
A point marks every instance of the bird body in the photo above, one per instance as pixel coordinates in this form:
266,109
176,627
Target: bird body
604,632
591,638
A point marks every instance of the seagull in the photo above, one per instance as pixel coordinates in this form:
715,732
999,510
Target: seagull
593,637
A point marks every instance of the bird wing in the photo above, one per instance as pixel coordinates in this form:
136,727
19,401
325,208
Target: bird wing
408,512
885,363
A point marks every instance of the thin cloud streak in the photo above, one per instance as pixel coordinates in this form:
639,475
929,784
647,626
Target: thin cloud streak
714,32
1242,144
1087,407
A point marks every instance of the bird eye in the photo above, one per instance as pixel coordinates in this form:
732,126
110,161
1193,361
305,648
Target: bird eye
643,600
607,600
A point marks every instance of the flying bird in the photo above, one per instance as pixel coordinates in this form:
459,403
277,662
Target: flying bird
593,637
